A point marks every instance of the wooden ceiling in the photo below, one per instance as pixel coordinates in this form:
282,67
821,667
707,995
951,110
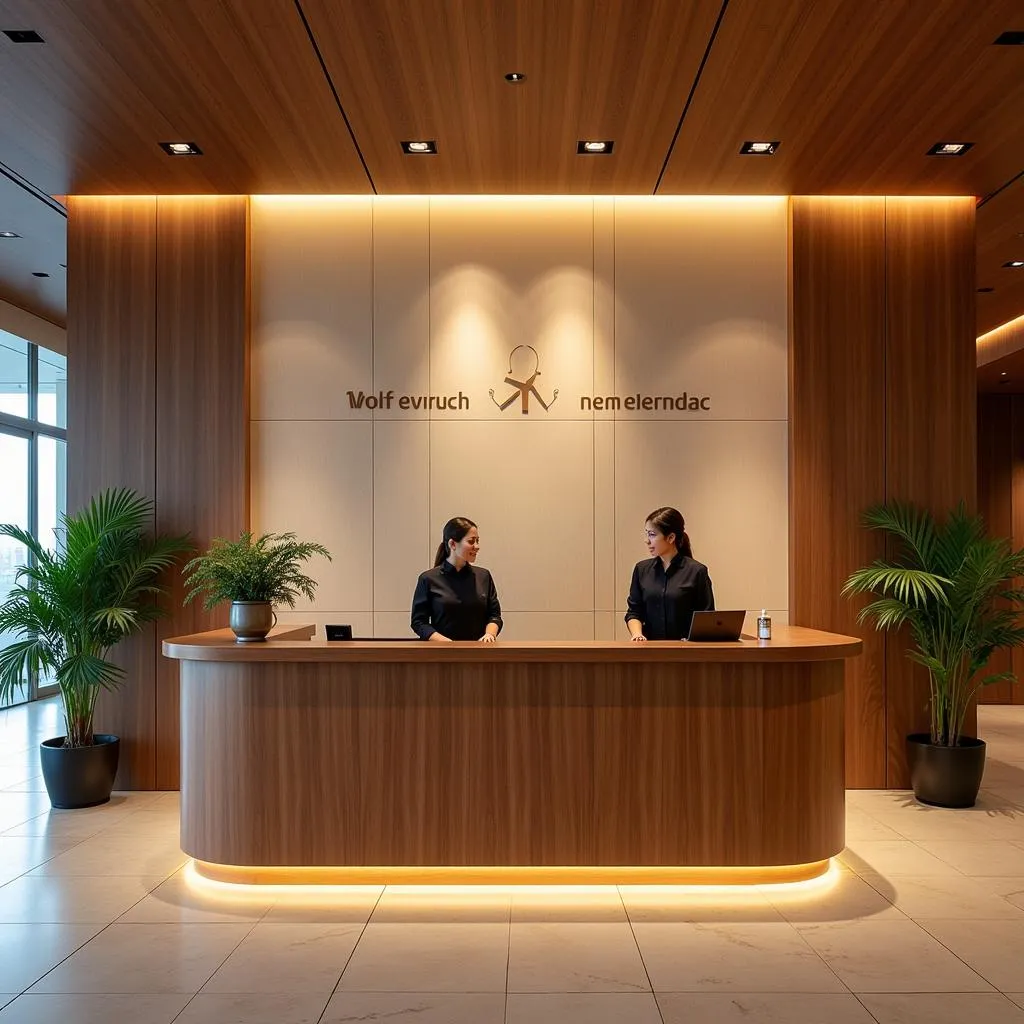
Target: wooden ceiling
316,95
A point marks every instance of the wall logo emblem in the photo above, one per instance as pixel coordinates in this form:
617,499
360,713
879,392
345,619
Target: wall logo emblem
523,371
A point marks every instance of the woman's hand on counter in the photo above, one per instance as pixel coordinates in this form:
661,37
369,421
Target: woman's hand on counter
439,638
488,638
638,638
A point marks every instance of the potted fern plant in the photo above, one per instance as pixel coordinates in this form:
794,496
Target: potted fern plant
253,575
953,588
67,610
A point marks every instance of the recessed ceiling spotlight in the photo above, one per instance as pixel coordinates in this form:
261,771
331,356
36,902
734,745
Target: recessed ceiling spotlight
23,35
515,76
1010,39
595,147
949,148
421,147
9,234
1014,264
759,148
181,149
39,273
1005,373
986,289
63,266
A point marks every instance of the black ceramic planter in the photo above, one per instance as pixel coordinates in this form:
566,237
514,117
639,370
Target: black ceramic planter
946,776
79,776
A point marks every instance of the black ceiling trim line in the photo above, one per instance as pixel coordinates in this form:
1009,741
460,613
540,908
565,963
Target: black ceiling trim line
1005,185
693,90
334,93
32,190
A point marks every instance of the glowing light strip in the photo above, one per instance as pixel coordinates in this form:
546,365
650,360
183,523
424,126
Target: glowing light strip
703,879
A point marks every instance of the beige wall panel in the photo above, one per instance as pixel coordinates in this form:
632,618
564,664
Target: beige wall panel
315,477
311,306
729,479
604,298
700,291
530,488
505,274
401,300
394,624
605,588
360,621
547,625
402,530
610,626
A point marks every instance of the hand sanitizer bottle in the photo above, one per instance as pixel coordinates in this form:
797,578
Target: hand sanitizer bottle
764,626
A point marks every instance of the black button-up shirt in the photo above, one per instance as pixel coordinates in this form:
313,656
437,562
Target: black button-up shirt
664,600
457,603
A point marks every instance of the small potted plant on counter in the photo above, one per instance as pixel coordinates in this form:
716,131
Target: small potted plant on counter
253,575
953,588
67,609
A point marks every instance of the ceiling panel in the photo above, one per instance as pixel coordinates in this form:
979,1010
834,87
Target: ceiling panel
40,248
1001,239
84,111
434,69
857,91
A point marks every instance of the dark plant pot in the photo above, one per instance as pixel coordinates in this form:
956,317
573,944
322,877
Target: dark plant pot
251,620
946,776
79,776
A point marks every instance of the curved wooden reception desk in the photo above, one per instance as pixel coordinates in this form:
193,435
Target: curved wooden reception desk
305,761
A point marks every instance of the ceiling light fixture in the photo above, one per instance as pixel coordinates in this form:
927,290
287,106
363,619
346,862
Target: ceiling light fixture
420,147
759,148
9,234
949,148
181,149
23,35
39,273
1010,39
1005,373
515,76
594,147
1014,264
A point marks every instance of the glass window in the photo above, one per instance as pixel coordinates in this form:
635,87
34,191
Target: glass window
51,489
53,388
14,358
14,459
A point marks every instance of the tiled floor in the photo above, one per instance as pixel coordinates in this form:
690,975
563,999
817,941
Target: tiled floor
100,920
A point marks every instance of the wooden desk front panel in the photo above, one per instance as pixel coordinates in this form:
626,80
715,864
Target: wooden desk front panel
548,764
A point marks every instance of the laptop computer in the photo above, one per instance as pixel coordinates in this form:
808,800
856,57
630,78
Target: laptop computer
716,625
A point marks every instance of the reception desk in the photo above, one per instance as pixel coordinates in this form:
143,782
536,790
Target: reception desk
307,761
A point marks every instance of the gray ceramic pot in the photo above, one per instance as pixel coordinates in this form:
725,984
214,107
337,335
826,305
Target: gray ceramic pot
251,621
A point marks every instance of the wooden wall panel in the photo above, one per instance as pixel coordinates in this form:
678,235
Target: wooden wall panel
1017,518
111,419
995,502
931,401
837,441
202,407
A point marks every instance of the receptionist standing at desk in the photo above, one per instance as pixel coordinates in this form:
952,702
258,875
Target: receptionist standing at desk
455,600
667,589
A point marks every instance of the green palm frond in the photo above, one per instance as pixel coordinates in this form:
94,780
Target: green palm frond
69,607
954,589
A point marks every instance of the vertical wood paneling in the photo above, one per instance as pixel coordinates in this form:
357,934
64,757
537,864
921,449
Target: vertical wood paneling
111,418
837,441
1017,518
931,402
995,503
202,407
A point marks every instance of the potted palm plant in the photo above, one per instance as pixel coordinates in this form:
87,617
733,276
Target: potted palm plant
253,575
68,608
953,588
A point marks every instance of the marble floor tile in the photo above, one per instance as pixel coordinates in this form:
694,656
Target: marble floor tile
350,904
177,899
582,1008
995,949
1016,997
689,903
977,858
253,1008
948,1008
288,958
890,956
945,896
418,1007
94,1009
849,897
110,854
431,903
428,957
149,958
762,1008
28,951
860,826
71,899
892,858
593,956
707,957
579,903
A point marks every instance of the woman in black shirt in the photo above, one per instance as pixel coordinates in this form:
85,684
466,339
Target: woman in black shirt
667,589
455,600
